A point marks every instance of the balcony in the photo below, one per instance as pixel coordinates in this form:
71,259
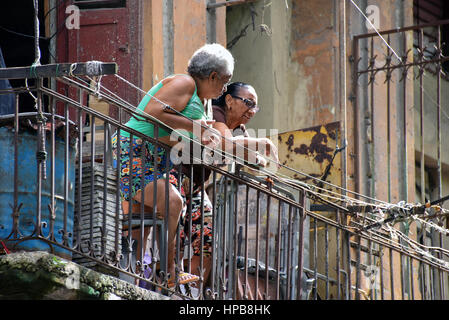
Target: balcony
273,237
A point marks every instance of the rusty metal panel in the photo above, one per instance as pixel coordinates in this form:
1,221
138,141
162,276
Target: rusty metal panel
310,151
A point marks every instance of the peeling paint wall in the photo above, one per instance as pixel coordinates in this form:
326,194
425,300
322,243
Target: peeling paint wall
292,66
296,71
190,29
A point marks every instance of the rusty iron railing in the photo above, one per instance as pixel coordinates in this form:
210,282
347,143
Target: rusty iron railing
273,238
400,118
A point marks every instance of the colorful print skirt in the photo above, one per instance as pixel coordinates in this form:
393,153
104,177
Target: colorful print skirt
195,231
143,169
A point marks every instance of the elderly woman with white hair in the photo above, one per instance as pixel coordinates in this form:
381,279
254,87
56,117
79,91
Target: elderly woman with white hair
178,102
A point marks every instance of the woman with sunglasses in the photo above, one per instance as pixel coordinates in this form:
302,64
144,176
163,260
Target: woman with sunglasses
231,111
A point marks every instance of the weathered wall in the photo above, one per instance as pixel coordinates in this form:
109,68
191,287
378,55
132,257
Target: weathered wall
378,166
297,72
253,55
189,33
293,66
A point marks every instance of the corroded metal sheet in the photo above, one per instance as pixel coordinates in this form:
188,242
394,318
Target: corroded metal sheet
310,151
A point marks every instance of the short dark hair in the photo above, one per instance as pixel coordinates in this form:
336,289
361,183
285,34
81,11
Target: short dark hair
232,89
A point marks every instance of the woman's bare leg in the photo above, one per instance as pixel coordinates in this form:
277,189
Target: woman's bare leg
207,265
175,205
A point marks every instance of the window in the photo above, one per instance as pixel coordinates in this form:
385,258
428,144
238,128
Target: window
431,11
97,4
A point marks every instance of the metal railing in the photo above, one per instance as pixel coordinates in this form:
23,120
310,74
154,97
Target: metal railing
272,238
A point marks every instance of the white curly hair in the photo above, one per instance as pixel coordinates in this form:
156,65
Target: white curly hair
209,58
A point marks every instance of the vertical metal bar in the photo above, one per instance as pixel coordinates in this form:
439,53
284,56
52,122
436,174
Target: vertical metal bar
223,252
214,229
155,207
267,247
246,241
432,283
117,194
412,280
66,173
256,287
165,262
326,262
441,273
302,217
52,205
16,167
404,128
439,171
391,273
80,173
234,256
357,140
92,181
401,257
426,275
105,187
202,235
421,111
439,168
370,263
130,206
189,222
348,262
40,163
373,116
343,90
289,254
337,252
357,269
388,120
278,251
178,258
315,257
143,161
381,269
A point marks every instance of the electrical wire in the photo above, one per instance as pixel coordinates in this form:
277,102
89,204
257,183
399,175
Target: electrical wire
320,193
336,196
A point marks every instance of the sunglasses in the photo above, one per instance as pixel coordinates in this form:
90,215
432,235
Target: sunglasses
249,103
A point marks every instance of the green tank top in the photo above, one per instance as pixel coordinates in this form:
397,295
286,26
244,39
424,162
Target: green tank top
193,110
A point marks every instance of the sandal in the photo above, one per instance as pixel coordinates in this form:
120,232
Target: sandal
183,278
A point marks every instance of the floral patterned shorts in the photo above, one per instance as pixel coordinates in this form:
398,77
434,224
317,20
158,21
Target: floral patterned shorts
143,155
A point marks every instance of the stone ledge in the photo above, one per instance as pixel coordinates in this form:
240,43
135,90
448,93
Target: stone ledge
41,275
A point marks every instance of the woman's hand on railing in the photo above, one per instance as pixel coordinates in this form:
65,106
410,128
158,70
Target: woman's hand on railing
210,137
271,151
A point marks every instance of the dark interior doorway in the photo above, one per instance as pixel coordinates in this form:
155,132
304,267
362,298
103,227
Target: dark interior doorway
17,41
